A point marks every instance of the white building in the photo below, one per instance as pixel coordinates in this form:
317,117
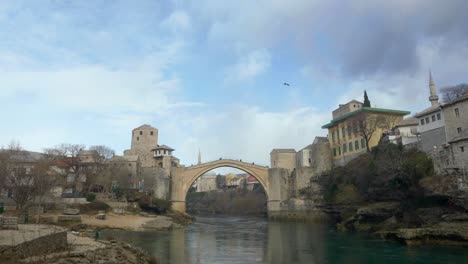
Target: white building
431,126
405,132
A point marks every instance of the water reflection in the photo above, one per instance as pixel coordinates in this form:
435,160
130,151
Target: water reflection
254,240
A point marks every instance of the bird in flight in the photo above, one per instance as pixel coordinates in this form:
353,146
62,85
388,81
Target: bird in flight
287,84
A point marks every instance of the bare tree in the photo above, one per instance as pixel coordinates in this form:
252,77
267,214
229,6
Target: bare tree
67,155
367,125
100,170
451,93
84,169
23,175
103,152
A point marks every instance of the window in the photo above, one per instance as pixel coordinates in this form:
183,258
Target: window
356,145
459,130
462,149
338,134
343,132
339,150
438,116
457,112
363,143
164,152
310,161
427,120
344,148
129,164
433,118
333,136
422,121
349,130
138,138
141,133
334,152
151,133
350,146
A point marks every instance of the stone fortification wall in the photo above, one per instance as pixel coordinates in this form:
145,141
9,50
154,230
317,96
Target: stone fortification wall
431,138
283,159
321,161
321,157
144,139
278,189
156,180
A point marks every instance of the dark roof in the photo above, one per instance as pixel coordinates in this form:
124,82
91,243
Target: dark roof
367,109
163,147
457,100
284,150
429,110
353,101
410,121
320,140
145,126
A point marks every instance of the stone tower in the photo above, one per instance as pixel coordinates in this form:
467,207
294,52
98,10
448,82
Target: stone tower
434,98
144,139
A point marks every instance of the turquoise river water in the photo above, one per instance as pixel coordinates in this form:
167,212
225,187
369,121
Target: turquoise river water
232,239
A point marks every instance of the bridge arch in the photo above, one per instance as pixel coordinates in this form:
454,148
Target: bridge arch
182,182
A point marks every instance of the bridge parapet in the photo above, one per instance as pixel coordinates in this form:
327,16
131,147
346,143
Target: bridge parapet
183,177
209,163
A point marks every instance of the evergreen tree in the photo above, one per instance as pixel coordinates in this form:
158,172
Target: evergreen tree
366,100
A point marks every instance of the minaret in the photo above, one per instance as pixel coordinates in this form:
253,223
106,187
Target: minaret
434,98
199,156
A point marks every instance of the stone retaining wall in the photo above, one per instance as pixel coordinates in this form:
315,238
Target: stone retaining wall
38,246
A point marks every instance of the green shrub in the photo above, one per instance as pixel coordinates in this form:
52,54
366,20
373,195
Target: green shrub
154,205
94,206
90,197
161,205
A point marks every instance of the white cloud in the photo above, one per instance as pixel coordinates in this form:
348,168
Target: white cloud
242,132
250,66
177,21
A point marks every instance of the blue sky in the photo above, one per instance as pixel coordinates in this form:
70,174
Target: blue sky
209,74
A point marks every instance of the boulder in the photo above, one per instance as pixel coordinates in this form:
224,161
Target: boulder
71,211
118,210
377,212
101,216
442,234
457,217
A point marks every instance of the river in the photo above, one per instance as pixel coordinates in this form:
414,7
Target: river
232,239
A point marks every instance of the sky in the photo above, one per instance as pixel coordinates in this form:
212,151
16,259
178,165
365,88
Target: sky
210,74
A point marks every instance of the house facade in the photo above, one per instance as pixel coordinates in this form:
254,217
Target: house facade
456,130
356,128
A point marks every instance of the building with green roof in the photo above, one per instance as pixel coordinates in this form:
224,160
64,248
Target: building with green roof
356,128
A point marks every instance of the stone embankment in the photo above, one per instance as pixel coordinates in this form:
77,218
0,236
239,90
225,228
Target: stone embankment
433,225
84,250
52,244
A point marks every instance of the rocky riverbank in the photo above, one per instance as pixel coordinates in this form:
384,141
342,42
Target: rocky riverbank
79,245
133,222
84,250
394,193
416,226
439,217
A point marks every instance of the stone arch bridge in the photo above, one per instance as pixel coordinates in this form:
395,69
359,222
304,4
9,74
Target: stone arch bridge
184,177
